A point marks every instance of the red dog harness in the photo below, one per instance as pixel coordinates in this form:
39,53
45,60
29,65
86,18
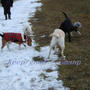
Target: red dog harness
14,37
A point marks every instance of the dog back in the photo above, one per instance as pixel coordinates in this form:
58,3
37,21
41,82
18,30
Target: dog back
58,33
14,37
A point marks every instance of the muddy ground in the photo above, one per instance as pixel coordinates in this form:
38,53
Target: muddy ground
50,17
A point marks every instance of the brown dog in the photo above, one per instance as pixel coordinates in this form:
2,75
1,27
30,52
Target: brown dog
16,38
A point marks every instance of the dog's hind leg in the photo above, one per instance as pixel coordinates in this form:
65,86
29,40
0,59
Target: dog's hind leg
62,46
62,51
56,49
49,52
3,43
69,36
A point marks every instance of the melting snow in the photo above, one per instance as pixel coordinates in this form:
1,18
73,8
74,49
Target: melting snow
18,70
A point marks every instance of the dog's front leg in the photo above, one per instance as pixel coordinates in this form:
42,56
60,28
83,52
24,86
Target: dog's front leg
19,46
79,32
24,45
8,46
71,34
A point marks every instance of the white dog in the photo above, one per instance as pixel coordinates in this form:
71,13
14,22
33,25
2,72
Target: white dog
27,29
58,38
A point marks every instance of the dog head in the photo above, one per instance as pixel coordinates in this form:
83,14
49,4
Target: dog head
28,40
27,29
77,25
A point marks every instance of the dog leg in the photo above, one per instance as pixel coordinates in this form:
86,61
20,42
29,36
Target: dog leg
49,52
52,44
69,36
78,32
62,46
2,47
8,46
62,53
19,43
56,49
3,43
19,46
24,45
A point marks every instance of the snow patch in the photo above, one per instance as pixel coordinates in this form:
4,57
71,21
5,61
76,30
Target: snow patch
18,70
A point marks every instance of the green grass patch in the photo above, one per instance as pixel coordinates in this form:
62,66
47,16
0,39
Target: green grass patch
38,58
37,48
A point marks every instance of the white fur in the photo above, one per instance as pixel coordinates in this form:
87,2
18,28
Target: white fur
79,32
71,33
58,38
26,30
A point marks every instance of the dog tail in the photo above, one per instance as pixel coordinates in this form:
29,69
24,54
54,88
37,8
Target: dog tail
65,14
58,33
53,34
1,35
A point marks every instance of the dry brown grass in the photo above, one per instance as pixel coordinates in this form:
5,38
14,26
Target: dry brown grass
49,18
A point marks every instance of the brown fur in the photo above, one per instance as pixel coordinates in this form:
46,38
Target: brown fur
4,42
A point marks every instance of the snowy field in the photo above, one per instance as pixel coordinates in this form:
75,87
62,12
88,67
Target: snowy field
18,70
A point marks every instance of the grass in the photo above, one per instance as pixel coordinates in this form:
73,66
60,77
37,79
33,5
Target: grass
37,48
38,58
76,77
